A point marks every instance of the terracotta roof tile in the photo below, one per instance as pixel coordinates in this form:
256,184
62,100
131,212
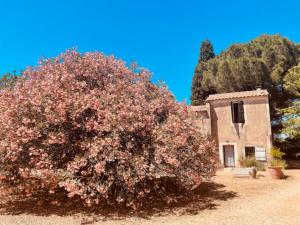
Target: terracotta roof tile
242,94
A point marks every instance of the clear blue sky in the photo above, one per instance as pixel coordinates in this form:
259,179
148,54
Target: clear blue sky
161,35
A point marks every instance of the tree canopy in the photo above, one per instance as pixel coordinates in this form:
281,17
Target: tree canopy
263,62
291,114
206,53
292,80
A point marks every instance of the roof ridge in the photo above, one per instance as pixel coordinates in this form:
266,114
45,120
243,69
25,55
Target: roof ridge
239,94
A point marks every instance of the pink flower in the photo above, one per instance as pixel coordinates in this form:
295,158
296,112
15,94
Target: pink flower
90,125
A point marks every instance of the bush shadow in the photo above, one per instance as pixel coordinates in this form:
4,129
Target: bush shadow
207,196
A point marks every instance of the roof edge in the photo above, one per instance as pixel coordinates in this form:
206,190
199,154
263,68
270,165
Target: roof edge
235,95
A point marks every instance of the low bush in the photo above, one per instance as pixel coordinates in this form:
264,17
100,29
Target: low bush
277,160
252,162
88,125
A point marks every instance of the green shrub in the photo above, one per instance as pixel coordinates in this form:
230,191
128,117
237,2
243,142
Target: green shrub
260,166
252,162
277,160
276,153
248,161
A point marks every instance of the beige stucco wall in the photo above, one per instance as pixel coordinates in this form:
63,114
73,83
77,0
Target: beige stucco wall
202,121
201,117
256,131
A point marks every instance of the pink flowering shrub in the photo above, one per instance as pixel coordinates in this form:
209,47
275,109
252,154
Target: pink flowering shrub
88,125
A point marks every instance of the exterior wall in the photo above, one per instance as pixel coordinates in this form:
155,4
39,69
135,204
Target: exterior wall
201,116
202,122
256,131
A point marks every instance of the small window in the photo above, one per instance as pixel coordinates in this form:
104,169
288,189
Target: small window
249,151
237,112
257,152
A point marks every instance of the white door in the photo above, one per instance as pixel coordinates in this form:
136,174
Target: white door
228,155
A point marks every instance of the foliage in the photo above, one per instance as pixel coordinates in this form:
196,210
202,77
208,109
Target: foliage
252,162
292,80
290,146
291,120
263,62
206,53
247,162
8,80
291,114
260,166
278,163
88,125
277,155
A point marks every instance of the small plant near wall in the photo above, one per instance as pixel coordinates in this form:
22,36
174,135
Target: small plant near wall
277,163
277,160
247,162
251,161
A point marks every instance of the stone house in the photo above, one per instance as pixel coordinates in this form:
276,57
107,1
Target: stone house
240,124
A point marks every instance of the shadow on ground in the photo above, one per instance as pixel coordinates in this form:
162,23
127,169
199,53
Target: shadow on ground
208,196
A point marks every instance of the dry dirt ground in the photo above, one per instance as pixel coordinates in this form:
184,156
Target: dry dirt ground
226,200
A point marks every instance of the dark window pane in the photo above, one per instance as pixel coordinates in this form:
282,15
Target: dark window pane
241,112
232,112
250,151
237,111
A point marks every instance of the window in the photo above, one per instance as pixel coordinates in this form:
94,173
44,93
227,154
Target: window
258,152
237,112
249,151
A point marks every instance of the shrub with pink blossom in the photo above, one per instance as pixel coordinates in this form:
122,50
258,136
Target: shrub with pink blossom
89,125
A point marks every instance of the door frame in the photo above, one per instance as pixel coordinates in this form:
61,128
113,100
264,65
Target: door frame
221,153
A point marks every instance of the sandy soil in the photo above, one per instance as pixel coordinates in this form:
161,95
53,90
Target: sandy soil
226,200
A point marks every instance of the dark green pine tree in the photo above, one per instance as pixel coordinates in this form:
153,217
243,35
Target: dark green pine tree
206,53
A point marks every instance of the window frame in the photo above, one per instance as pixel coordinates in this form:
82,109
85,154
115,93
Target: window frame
237,112
255,149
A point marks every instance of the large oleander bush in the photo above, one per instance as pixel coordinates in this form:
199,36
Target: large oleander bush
88,126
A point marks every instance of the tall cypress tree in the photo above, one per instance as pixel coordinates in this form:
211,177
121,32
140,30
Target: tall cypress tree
206,53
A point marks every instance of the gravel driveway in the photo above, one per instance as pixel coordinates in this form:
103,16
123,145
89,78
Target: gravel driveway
238,201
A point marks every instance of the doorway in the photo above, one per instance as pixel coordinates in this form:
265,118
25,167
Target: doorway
229,159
